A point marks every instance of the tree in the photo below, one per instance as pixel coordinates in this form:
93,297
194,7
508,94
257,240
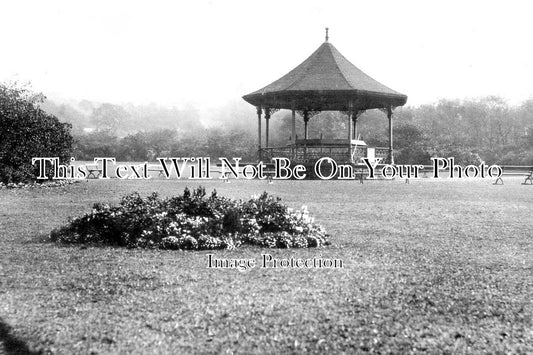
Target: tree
28,132
97,144
159,141
134,147
109,117
410,144
67,113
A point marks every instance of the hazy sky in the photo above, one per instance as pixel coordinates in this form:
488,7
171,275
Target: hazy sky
211,52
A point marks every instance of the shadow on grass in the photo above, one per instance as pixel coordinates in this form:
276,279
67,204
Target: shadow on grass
12,345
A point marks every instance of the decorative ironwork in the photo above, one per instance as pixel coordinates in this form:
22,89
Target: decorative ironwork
386,110
357,113
273,111
270,111
303,154
310,113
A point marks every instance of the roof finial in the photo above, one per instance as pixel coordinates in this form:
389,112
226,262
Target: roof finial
327,37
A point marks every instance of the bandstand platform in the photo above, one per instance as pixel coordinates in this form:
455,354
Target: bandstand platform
307,151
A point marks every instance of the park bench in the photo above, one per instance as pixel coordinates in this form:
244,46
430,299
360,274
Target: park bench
516,170
157,168
93,170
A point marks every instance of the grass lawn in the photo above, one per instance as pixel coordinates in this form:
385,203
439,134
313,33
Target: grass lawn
431,266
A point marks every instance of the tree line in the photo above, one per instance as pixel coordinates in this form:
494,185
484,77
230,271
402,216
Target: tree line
471,130
485,129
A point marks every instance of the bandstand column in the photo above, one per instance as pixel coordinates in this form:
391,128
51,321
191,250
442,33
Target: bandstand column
293,134
259,131
306,119
267,119
389,116
354,123
350,118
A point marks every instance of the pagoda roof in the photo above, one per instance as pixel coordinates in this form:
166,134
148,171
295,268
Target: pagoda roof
326,81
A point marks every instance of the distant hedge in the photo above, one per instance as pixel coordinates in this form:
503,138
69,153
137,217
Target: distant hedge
26,132
194,221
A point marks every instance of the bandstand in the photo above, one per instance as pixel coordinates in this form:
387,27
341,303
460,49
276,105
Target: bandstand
326,81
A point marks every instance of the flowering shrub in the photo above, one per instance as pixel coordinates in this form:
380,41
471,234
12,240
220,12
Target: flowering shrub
194,221
40,184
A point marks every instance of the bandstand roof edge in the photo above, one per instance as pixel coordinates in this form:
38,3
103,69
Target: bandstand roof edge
326,81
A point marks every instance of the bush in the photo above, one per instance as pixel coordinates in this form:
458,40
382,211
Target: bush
97,144
194,221
27,132
461,155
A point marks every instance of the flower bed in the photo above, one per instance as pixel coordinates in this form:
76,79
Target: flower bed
37,184
194,221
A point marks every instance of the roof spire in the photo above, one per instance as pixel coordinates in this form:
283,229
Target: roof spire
327,37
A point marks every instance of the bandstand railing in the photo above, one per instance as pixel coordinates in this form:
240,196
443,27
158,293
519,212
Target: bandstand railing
310,150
